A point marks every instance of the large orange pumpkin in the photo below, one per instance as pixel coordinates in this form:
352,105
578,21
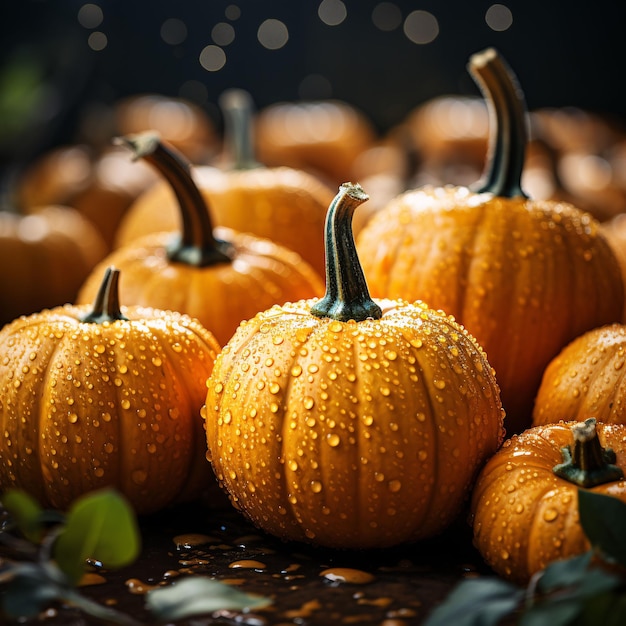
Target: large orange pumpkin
219,277
104,395
524,277
349,422
283,204
525,501
44,258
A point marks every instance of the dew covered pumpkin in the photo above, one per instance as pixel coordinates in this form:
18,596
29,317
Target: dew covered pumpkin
525,277
218,276
350,422
103,395
525,502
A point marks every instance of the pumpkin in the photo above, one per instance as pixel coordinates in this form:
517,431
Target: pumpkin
44,259
105,395
219,278
525,277
524,507
349,422
586,378
182,123
324,137
283,204
98,184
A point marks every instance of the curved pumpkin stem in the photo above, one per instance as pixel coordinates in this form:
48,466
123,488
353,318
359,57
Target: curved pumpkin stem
237,109
588,463
347,295
106,306
196,244
507,115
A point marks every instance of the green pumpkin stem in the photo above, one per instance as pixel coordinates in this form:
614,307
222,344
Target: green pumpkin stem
588,463
106,306
508,118
237,109
196,244
347,295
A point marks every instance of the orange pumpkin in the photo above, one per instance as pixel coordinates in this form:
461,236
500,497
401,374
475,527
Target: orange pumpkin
524,277
44,259
103,395
349,422
586,378
525,502
324,137
219,278
282,204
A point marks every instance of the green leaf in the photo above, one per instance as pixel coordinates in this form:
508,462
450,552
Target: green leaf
101,526
196,596
548,613
603,519
477,602
565,573
29,592
608,609
25,512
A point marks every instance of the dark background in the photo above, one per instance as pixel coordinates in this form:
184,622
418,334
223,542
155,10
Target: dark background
563,53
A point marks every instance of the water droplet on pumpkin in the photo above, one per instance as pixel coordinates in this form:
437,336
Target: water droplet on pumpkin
139,476
72,418
549,515
333,440
394,486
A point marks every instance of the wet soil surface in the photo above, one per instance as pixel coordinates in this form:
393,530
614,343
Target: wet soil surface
307,586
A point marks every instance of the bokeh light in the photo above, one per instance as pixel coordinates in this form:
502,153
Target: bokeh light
421,27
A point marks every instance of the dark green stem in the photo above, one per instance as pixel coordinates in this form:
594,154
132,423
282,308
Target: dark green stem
508,117
237,109
588,463
347,295
106,306
195,245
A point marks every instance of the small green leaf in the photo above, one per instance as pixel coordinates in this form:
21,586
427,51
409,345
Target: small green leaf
608,609
102,526
29,592
548,613
477,602
196,596
603,519
565,573
26,513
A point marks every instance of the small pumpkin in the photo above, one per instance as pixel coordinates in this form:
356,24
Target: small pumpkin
324,137
219,278
105,395
44,258
588,377
283,204
524,507
524,277
349,422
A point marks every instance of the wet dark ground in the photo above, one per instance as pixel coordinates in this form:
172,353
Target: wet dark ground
394,587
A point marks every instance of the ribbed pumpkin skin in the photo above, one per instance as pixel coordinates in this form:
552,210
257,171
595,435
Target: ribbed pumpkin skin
220,296
524,516
351,434
586,379
44,259
524,277
282,204
85,405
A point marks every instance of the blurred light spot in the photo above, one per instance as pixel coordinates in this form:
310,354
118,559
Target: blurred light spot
583,172
499,17
33,228
332,12
173,31
386,16
223,34
90,16
421,27
194,91
273,34
212,58
97,41
315,87
232,12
